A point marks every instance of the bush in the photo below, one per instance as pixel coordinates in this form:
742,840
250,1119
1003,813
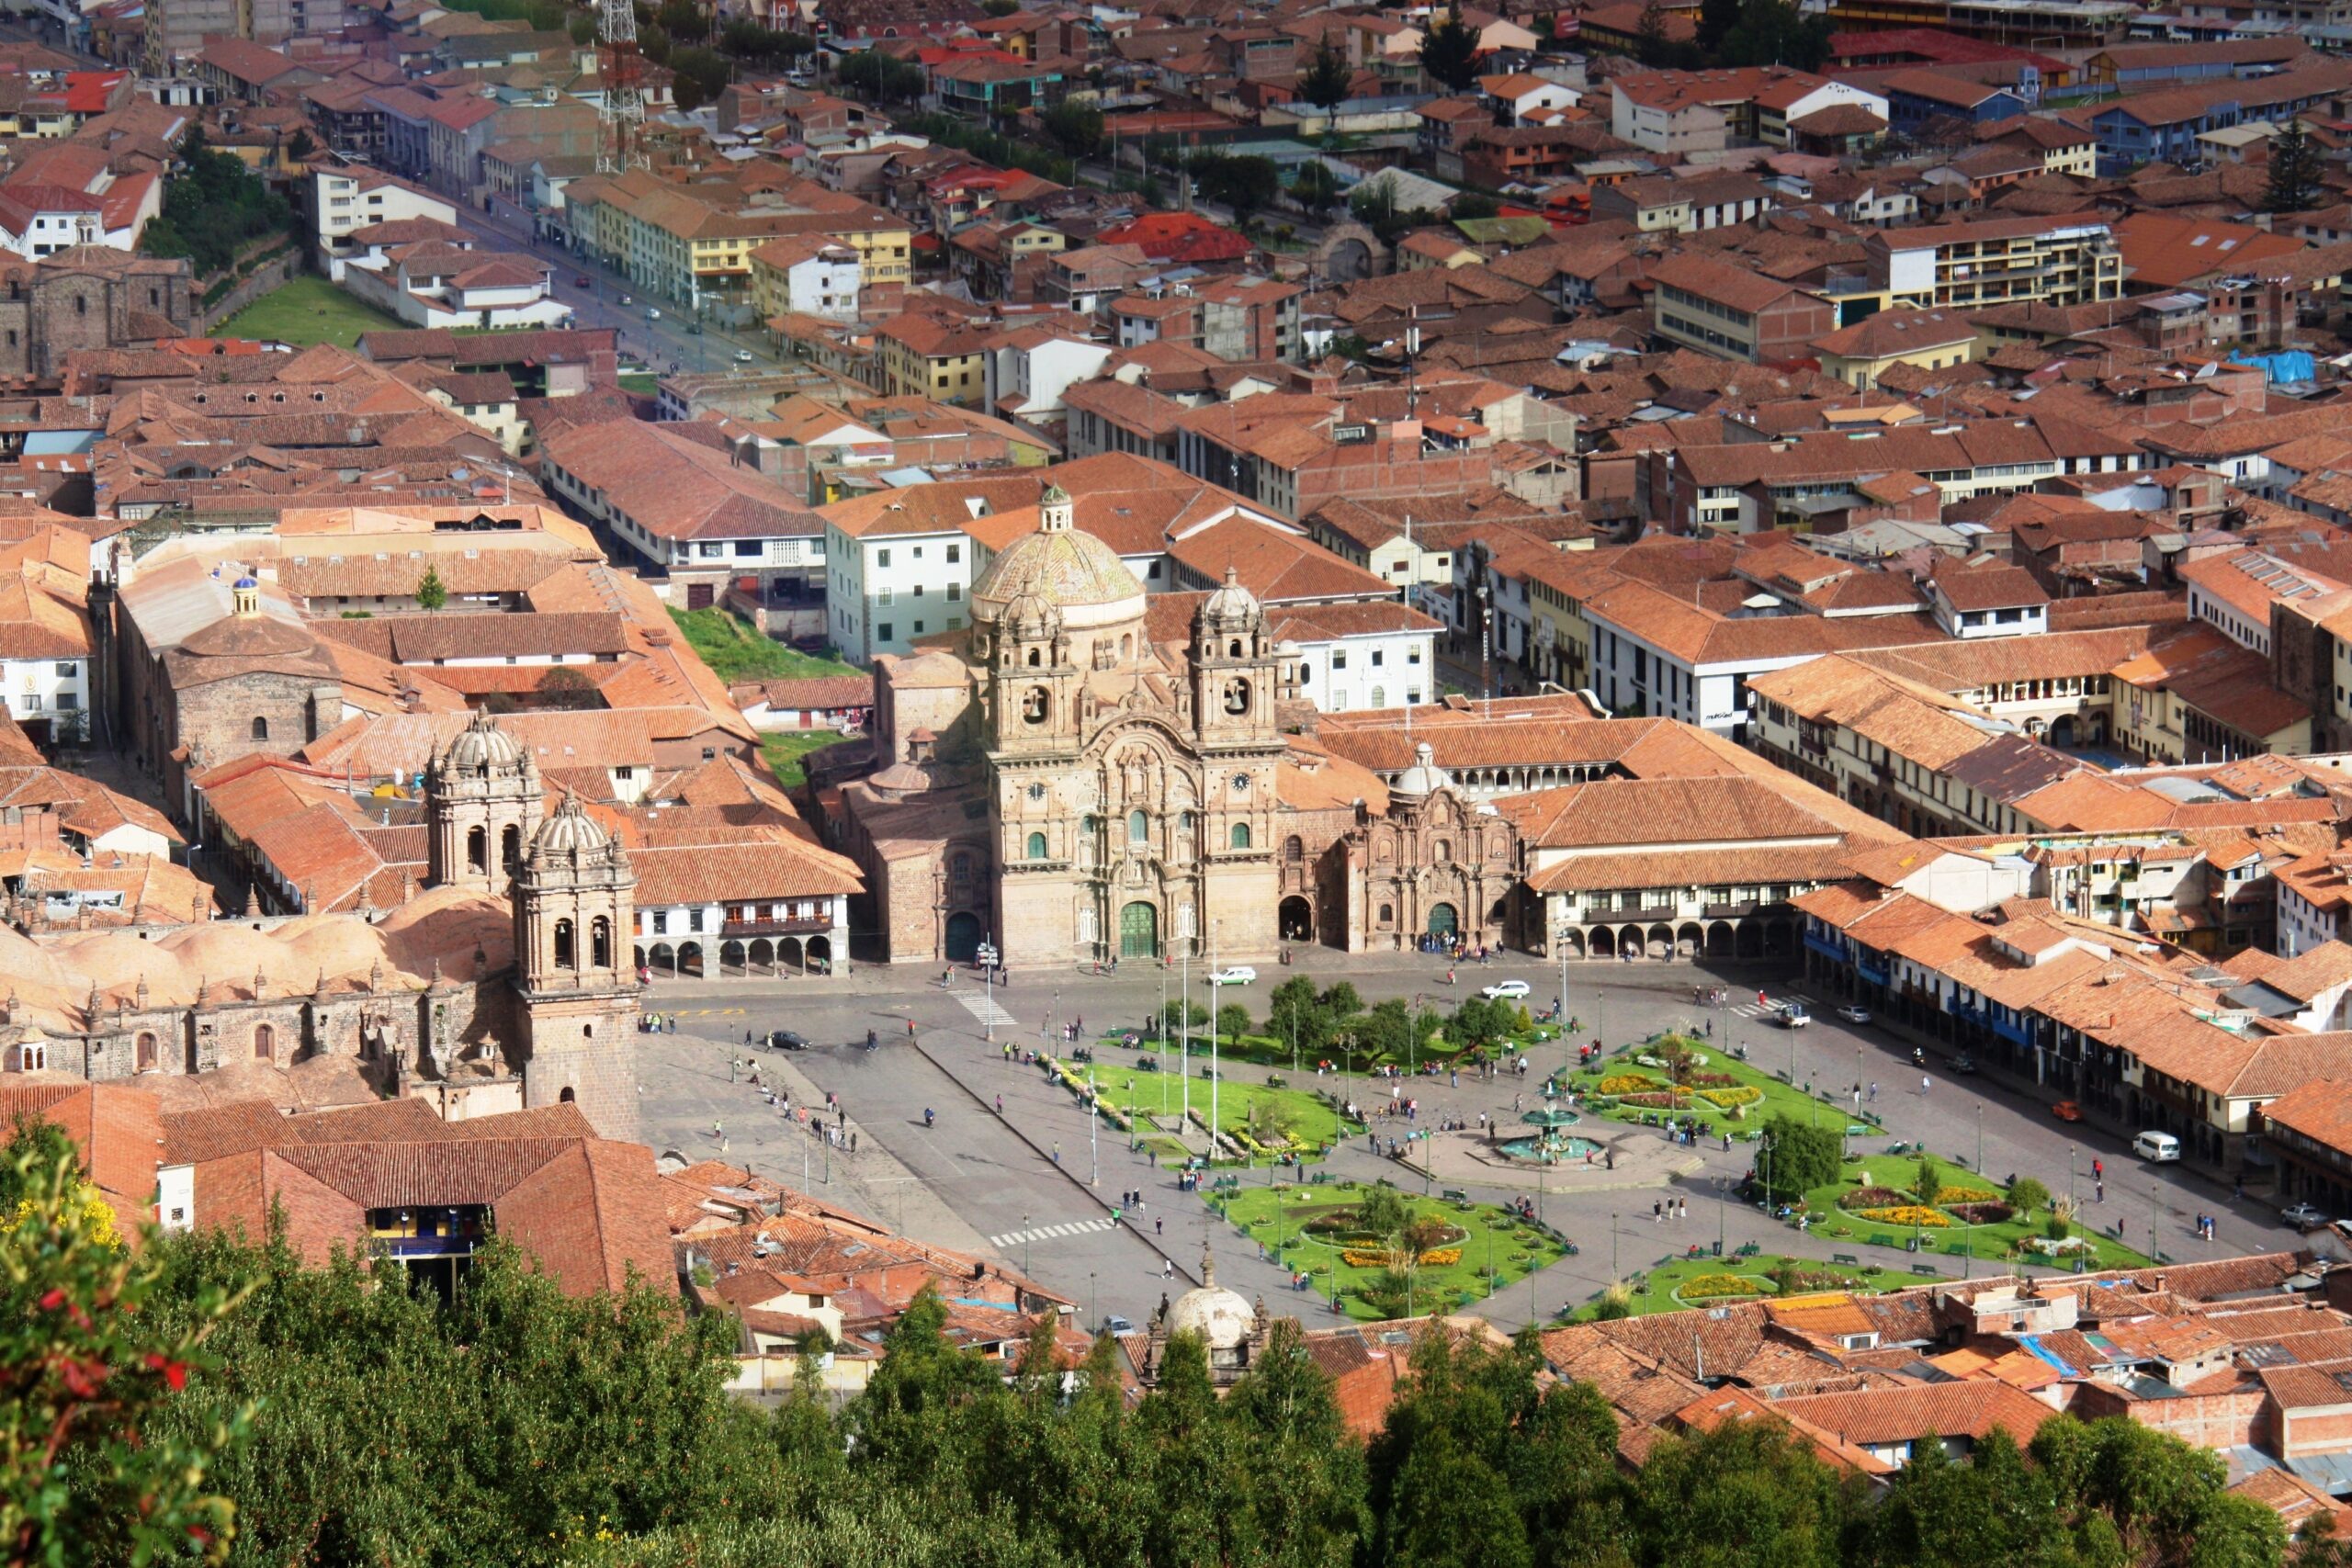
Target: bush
2027,1194
1992,1213
1909,1215
2057,1228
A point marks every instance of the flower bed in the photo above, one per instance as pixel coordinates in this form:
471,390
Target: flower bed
1656,1101
1874,1198
1709,1286
1951,1197
1715,1080
1441,1256
1908,1214
1628,1083
1355,1257
1981,1213
1730,1098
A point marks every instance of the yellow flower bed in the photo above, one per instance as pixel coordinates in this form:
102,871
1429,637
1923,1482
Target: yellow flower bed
1706,1285
1908,1214
1966,1195
1628,1083
1437,1258
1356,1259
1728,1098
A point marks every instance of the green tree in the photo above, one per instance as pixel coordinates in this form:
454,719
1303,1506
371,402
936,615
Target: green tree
1478,1024
1296,1015
214,208
1326,80
1450,51
1232,1021
300,145
430,594
1316,188
2026,1196
1173,1016
1382,1213
1000,7
697,76
1243,183
1286,1422
1651,46
1799,1157
2294,181
1929,1185
1716,20
1076,128
90,1473
1472,204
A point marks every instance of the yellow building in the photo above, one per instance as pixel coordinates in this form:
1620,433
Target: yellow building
923,358
1999,261
1860,353
2201,697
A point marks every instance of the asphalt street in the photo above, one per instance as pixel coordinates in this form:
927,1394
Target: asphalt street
996,1178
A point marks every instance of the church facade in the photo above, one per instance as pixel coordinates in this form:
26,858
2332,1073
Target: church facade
508,983
1066,790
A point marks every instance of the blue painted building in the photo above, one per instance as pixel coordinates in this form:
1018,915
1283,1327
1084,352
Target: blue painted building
2166,125
1916,98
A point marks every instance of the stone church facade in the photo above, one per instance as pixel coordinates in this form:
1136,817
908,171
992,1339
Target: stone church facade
1067,792
556,1025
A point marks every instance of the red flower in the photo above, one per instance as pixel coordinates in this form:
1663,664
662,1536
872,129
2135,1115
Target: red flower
53,1301
174,1372
199,1535
81,1378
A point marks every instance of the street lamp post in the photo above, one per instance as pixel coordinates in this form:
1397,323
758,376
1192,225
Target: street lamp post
1562,1015
1024,1242
1093,1131
1980,1138
1723,1204
986,955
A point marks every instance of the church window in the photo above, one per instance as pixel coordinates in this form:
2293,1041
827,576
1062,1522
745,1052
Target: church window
265,1043
1441,852
1236,696
1126,645
1034,658
478,849
1037,792
1379,696
567,954
1185,822
261,728
81,305
1036,846
1241,783
1037,706
1293,848
599,943
32,1056
1233,648
511,847
567,1097
1387,913
1242,835
1138,828
147,1053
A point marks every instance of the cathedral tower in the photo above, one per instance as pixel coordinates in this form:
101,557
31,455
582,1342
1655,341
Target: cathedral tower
574,914
483,803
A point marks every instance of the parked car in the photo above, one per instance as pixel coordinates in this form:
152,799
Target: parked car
785,1040
1236,974
2302,1216
1115,1323
1513,989
2160,1147
693,328
1962,1066
1853,1014
653,315
2067,1111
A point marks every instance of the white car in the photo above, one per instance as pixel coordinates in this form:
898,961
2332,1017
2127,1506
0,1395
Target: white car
1853,1014
1793,1015
1505,989
1239,974
742,356
653,315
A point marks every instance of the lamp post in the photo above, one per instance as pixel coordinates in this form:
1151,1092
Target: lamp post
1090,1318
1722,1203
1980,1138
1562,1016
1613,1275
1093,1131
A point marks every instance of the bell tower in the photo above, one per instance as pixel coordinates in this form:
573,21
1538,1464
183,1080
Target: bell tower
1232,668
574,914
483,804
1032,681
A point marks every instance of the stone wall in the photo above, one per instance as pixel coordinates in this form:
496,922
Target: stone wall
272,273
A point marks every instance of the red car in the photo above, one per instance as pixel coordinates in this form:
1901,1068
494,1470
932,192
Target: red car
2067,1111
581,280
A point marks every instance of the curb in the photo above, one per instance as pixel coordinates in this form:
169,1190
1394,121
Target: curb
986,1109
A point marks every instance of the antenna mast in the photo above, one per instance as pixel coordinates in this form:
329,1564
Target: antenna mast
622,114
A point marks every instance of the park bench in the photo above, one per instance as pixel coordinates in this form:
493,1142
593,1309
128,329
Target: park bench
1923,1269
1844,1257
1750,1250
1880,1239
1456,1195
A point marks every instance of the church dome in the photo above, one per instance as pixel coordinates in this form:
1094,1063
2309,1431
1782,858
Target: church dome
1219,1316
1071,570
570,830
481,745
1424,777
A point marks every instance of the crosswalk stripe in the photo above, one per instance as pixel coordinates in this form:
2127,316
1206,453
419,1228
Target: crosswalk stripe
984,1008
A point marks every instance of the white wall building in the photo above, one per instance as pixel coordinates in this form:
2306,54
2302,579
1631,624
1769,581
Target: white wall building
1363,656
885,587
352,197
1040,373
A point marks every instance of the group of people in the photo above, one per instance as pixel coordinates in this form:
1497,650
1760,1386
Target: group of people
657,1024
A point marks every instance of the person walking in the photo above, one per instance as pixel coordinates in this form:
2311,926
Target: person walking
1167,1268
1923,1086
1160,1227
1057,1152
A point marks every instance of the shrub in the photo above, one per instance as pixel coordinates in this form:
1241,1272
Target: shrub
2027,1194
1706,1286
1356,1259
1628,1083
1872,1198
1909,1215
2057,1228
1992,1213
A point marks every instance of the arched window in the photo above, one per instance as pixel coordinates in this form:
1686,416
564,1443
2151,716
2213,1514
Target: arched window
81,305
265,1043
1379,696
1441,852
1233,648
567,956
1138,828
147,1053
566,1098
599,943
478,849
511,848
261,728
1036,846
1236,696
1034,658
1293,848
1037,706
1126,645
1242,835
1387,913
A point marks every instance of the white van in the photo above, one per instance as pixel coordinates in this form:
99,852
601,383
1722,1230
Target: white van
2157,1146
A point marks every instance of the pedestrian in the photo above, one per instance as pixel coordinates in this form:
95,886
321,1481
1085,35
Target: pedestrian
1682,1208
1160,1227
2099,1170
733,1063
1873,1092
1167,1268
1657,1212
853,1143
1058,1153
1923,1084
2098,1192
717,1131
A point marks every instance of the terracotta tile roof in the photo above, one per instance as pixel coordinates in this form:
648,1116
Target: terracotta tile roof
1880,1416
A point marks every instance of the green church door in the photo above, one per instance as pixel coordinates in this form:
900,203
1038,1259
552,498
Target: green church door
1140,931
1442,922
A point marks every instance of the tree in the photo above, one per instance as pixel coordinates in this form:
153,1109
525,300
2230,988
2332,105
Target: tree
1076,126
697,76
1314,188
1383,1214
430,594
1716,20
1176,1014
1450,51
213,207
1244,184
1326,81
2294,182
300,145
88,1473
1799,1157
1478,1024
1651,46
1929,1185
1473,204
2026,1196
1232,1021
1269,1123
1000,7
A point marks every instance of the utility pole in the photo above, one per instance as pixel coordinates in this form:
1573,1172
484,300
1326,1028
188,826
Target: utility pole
1215,993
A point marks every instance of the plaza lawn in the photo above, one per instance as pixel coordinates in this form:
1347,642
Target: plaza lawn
1660,1289
308,311
736,650
1276,1217
1843,1230
644,383
1131,1093
1779,1099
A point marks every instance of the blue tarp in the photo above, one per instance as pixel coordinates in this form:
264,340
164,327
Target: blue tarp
2280,367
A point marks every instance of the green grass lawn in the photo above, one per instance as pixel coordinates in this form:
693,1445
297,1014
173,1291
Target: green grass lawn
305,312
1662,1287
1125,1088
736,650
781,752
1986,1241
644,383
1777,1098
1277,1218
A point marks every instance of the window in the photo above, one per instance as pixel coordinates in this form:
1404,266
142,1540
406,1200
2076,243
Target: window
661,922
885,631
32,1056
1138,828
567,956
694,919
68,668
260,727
1338,658
882,557
886,598
599,943
1242,835
1036,846
265,1043
147,1053
954,554
955,593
